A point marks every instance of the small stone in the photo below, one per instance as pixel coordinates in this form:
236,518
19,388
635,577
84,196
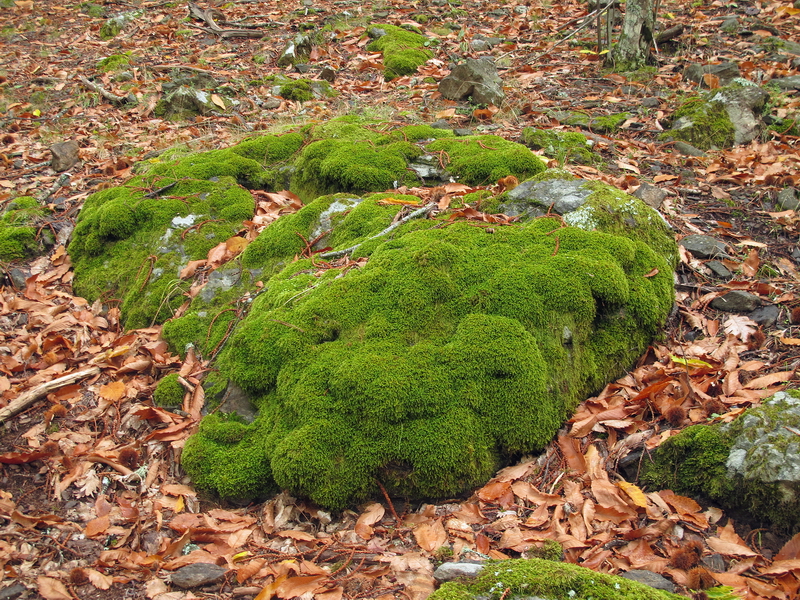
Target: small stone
198,574
327,74
441,124
704,246
787,83
766,315
787,199
302,68
452,570
730,25
650,195
654,580
475,78
479,45
736,301
715,562
796,255
688,149
462,131
271,103
13,591
719,269
651,102
18,278
726,72
65,155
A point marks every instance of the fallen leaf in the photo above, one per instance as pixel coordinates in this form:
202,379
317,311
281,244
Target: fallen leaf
369,517
52,589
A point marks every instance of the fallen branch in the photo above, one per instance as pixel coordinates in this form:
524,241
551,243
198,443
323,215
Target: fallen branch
207,16
420,212
26,399
99,89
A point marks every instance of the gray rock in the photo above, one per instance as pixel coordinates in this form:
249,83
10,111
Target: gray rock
787,83
197,575
462,131
236,400
428,168
65,155
327,74
441,124
302,68
452,570
715,562
730,25
534,198
687,149
766,315
13,591
725,71
651,102
787,199
479,45
475,78
650,195
743,105
185,102
704,246
18,278
654,580
796,255
271,103
297,50
719,269
788,46
736,301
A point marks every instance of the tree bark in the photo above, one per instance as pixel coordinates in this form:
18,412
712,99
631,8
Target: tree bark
633,49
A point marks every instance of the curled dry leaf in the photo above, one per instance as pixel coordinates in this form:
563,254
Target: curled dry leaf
373,514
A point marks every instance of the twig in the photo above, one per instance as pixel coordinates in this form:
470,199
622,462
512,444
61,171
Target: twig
99,89
60,182
420,212
26,399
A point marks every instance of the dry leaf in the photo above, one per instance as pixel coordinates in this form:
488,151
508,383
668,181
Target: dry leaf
52,589
368,518
635,494
112,391
740,326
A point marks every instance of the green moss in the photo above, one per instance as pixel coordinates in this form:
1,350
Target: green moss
169,392
114,62
299,90
422,368
483,159
703,124
564,146
403,50
18,231
553,580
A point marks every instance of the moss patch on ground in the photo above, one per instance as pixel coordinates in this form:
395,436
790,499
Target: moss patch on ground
564,146
703,124
18,239
450,352
169,392
526,578
403,50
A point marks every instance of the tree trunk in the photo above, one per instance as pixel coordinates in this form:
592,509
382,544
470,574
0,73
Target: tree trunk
633,49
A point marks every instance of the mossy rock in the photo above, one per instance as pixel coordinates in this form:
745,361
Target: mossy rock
703,124
452,351
169,392
18,229
528,578
748,465
564,146
403,50
114,62
606,124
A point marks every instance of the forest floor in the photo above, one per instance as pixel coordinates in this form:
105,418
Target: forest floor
92,502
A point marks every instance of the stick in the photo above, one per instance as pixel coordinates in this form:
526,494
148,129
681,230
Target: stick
417,213
99,89
26,399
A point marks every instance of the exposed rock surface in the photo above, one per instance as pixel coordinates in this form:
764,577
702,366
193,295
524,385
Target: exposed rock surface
475,78
198,575
736,301
726,72
65,155
704,246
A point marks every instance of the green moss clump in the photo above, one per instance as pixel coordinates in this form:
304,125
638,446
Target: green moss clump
423,368
403,51
17,228
169,392
483,159
299,90
703,124
564,146
114,62
554,580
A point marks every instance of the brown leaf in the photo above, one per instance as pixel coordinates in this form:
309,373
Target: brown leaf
430,536
790,550
299,585
98,579
52,589
729,548
373,513
97,526
112,391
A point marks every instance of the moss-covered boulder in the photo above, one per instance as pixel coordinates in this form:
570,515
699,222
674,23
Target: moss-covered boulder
750,464
131,243
451,351
169,392
403,50
18,229
537,578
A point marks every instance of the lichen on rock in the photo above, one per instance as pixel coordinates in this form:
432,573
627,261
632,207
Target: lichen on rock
750,464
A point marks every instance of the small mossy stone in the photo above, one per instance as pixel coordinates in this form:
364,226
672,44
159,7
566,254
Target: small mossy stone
528,578
403,51
169,392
